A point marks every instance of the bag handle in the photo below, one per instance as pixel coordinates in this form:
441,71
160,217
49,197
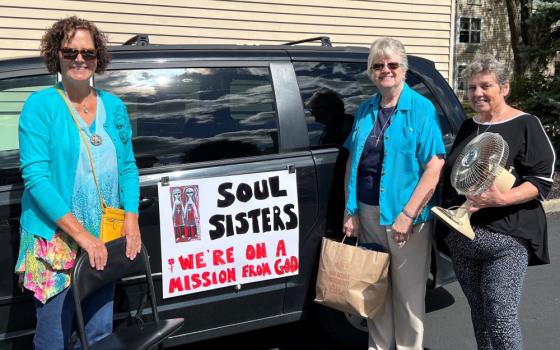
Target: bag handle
344,238
71,110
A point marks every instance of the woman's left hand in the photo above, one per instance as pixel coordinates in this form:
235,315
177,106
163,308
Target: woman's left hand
401,229
490,198
131,230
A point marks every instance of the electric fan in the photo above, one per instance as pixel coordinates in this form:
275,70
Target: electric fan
480,164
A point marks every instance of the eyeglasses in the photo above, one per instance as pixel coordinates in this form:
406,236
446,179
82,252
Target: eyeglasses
390,65
71,54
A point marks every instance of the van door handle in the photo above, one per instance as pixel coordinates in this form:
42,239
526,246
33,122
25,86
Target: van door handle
145,203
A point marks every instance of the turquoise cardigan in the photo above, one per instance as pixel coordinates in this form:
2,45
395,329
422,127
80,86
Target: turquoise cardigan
410,141
49,149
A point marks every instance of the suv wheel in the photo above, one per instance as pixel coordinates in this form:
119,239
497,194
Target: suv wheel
350,331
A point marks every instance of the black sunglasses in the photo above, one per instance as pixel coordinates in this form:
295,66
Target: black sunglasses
71,54
390,65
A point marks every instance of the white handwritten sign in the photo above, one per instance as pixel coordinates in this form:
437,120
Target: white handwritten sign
223,231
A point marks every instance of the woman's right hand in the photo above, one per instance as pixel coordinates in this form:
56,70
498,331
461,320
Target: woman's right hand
96,249
351,225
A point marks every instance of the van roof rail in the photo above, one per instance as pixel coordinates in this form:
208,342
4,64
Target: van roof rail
325,41
138,40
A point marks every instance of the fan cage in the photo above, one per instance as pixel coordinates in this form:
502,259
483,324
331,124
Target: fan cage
478,164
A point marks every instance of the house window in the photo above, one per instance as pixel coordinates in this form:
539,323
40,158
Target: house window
473,2
460,81
469,30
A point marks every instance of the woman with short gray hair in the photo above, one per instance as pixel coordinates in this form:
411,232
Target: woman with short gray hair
396,155
510,227
384,47
489,64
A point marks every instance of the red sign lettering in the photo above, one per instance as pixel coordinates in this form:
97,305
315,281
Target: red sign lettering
218,259
281,248
192,261
257,251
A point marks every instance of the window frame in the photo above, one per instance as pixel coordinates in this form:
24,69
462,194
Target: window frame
470,30
459,83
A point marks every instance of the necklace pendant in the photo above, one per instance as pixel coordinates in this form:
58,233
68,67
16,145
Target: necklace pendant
85,109
96,139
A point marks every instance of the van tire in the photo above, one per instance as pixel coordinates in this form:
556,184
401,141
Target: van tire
349,331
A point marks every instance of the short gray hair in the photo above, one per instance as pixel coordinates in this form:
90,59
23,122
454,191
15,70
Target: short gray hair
486,63
383,47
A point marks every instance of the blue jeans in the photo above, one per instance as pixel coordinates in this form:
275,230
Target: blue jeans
55,319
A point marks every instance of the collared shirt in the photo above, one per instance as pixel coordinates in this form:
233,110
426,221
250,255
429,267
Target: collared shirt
409,143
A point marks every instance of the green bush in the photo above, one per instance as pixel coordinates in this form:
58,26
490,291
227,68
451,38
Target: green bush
539,94
468,109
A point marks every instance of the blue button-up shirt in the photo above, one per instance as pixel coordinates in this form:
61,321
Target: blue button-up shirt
410,142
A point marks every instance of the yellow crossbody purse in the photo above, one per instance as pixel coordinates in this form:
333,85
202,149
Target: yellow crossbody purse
112,219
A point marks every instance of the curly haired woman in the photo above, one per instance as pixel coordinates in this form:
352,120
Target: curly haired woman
61,207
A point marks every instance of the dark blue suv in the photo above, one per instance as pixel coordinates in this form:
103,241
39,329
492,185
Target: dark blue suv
203,111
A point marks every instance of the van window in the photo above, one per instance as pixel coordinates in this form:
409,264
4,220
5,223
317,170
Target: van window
421,88
190,115
331,92
13,92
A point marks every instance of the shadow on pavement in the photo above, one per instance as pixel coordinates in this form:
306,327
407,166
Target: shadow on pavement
437,299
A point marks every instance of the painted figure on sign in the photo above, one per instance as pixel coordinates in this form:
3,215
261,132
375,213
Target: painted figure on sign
191,213
178,214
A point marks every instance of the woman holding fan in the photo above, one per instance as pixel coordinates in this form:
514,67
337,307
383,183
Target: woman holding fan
510,227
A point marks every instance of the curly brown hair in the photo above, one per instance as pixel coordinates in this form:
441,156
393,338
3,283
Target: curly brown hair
64,30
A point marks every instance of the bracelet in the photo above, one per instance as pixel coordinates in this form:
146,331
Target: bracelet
348,213
408,215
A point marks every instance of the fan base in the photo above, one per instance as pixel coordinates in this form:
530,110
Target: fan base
457,221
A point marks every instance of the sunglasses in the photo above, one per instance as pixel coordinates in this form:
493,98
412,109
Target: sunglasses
390,65
71,54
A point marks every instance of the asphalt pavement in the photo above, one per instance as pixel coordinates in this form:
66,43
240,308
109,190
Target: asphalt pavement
448,324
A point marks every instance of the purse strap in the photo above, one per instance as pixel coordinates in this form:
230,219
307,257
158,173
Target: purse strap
71,110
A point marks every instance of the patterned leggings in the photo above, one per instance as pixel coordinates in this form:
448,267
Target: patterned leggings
491,269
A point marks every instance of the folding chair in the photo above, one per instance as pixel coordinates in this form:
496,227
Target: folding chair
86,280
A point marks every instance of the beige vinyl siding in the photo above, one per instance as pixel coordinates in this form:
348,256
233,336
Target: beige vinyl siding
424,26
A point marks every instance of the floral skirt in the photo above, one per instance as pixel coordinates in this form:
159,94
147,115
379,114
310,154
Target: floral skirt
44,266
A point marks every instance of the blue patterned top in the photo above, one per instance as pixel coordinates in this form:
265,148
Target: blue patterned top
85,200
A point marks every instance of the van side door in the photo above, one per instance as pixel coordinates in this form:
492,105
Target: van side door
208,119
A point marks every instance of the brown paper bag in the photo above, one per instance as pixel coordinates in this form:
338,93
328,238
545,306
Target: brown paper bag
352,279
